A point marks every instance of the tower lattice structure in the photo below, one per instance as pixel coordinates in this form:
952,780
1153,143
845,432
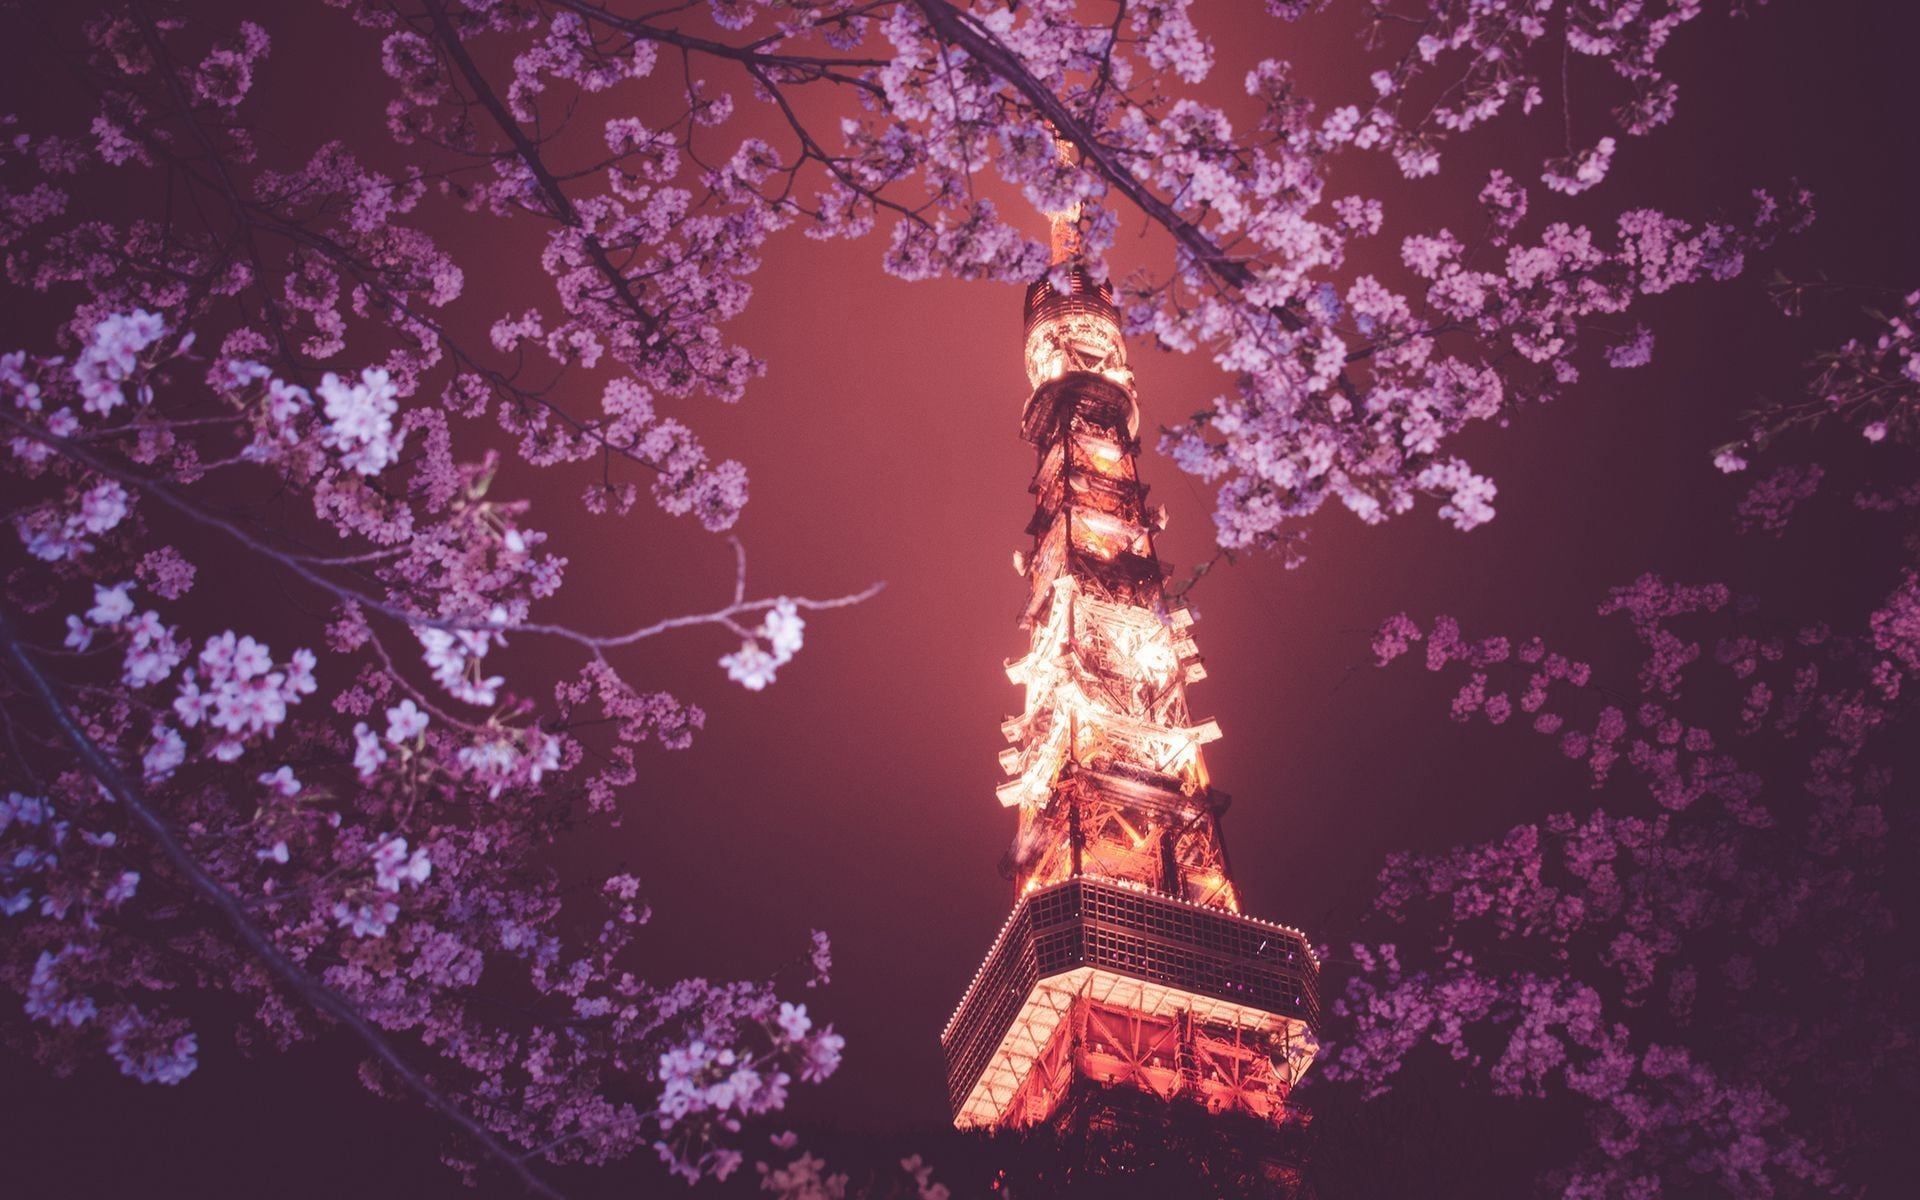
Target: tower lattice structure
1126,973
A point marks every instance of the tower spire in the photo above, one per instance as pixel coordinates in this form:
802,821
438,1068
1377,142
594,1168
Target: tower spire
1064,226
1126,965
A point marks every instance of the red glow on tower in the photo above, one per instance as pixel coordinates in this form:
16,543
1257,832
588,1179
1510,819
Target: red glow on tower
1126,971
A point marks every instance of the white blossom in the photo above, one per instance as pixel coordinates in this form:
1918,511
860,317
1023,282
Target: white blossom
367,754
405,722
783,630
393,866
794,1021
360,420
167,751
366,920
110,604
112,355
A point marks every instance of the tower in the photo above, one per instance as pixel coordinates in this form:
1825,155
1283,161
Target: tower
1126,978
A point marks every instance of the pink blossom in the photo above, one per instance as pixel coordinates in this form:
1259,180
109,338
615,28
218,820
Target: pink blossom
151,1052
794,1021
1581,171
753,665
368,754
112,356
405,722
393,866
360,420
110,604
367,919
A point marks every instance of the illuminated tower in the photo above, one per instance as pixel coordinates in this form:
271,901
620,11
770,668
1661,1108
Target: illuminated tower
1126,978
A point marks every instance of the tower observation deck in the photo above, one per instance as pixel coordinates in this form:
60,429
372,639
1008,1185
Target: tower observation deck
1126,970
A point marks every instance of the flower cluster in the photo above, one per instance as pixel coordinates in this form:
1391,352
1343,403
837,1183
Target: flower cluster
698,1079
767,648
106,363
359,419
234,689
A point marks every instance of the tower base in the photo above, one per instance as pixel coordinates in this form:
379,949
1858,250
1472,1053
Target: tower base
1095,980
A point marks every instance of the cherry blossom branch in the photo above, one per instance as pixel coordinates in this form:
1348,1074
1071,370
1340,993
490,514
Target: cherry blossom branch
955,26
810,66
529,155
156,46
722,616
343,258
810,148
299,564
315,993
252,215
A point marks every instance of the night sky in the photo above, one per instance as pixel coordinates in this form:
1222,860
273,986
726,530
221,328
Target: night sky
856,794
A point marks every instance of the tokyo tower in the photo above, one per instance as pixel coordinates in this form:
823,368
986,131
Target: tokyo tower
1126,979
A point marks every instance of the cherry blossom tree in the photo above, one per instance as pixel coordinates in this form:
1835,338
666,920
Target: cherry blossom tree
262,379
268,355
1713,966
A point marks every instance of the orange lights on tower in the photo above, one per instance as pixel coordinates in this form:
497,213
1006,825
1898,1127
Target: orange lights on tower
1126,967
